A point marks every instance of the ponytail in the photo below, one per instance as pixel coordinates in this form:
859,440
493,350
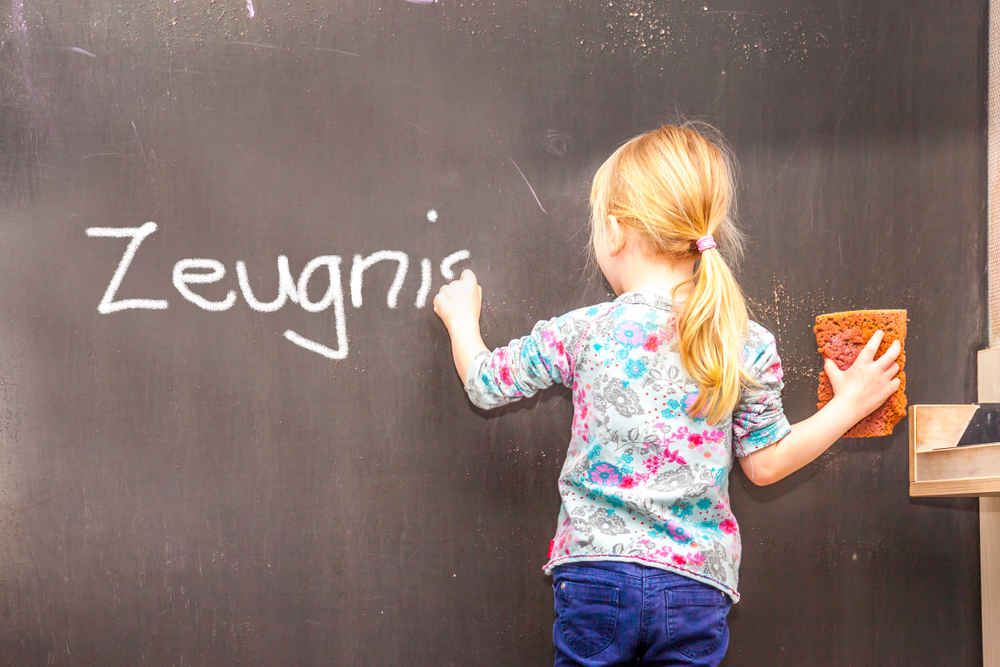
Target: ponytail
711,330
673,186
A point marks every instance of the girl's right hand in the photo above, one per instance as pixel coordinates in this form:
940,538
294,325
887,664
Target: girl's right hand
460,301
869,381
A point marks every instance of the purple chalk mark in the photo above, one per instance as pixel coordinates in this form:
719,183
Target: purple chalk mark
529,185
250,8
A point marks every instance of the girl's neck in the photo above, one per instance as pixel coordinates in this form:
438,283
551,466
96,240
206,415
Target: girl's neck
656,275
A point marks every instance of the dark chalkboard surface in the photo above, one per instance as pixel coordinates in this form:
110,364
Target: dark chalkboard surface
195,483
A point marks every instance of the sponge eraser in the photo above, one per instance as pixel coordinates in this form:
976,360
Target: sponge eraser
841,337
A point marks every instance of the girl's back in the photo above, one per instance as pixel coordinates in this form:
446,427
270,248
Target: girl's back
644,481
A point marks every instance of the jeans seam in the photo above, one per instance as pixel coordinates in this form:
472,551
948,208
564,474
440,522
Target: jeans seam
643,618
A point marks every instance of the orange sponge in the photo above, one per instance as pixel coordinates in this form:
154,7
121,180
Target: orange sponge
841,337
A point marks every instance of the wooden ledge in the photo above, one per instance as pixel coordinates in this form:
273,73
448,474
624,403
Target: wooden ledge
937,466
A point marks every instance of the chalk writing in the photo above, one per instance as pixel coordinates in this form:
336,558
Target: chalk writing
425,283
187,273
286,287
216,272
138,234
358,269
451,260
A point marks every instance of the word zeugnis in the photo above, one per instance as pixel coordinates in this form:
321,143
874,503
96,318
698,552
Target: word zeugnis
189,272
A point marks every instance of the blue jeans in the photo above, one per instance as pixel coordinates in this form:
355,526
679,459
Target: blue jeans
613,614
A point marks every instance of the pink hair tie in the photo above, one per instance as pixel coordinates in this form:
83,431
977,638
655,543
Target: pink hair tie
706,243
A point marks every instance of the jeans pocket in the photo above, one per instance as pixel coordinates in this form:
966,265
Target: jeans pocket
696,619
588,615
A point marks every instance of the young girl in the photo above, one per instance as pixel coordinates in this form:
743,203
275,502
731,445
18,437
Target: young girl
670,381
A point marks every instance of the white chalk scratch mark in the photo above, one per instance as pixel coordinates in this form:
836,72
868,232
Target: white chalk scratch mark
422,2
141,149
729,11
432,215
451,260
557,143
346,53
250,8
244,153
75,49
425,283
419,128
529,185
263,46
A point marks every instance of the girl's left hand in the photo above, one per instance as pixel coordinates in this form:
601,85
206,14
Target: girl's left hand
869,381
856,393
460,301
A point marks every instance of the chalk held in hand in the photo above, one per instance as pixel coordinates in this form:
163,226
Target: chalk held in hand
841,337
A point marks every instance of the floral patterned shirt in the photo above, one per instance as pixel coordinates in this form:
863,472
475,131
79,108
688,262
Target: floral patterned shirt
643,480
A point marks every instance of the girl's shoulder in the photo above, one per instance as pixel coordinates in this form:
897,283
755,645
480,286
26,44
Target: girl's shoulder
572,326
760,350
758,336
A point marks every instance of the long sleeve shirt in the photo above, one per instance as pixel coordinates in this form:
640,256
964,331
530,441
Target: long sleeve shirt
644,481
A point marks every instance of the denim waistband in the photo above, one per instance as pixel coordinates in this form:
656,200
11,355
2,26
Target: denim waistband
631,570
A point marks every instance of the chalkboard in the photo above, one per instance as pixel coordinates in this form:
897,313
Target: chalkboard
189,479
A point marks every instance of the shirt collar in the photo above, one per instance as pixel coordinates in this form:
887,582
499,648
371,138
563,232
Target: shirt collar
647,299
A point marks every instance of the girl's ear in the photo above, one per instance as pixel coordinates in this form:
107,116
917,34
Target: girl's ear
616,236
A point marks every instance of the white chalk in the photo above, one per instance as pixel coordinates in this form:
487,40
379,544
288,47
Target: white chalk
286,287
451,260
318,348
216,272
334,292
108,303
425,283
203,271
358,270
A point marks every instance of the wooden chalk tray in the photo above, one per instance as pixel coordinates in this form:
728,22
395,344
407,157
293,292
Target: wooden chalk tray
938,466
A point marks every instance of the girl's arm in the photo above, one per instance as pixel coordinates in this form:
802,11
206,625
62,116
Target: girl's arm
858,391
458,304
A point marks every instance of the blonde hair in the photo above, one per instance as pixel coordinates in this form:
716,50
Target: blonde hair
670,187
